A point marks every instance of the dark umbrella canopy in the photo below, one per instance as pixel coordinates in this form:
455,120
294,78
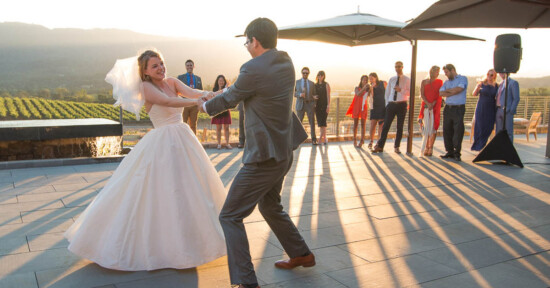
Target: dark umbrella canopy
484,13
366,29
361,29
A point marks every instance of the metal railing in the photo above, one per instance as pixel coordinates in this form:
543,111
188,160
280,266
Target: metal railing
338,124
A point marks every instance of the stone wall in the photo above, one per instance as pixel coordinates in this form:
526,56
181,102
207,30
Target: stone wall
60,148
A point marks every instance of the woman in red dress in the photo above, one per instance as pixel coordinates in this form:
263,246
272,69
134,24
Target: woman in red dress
429,91
223,119
359,107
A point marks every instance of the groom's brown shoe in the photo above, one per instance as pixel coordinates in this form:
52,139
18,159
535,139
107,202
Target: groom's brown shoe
305,261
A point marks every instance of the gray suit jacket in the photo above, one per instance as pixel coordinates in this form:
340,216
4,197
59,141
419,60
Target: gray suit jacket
265,85
309,94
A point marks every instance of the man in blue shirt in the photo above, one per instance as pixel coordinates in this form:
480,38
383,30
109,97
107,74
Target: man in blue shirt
454,91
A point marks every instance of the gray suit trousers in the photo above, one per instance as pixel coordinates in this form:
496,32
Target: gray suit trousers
308,108
257,183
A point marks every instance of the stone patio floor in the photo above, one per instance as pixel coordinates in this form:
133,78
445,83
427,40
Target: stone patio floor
372,220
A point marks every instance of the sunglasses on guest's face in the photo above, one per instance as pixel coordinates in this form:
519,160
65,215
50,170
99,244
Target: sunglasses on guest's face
305,73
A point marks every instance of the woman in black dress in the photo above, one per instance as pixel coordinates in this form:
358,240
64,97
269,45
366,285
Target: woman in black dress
323,103
378,110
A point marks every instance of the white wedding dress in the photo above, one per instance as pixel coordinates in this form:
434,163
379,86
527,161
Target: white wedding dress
160,208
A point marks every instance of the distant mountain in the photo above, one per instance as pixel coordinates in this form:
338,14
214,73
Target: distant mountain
33,57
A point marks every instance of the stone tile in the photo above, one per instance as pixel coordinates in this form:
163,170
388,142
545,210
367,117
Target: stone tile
54,195
8,199
79,198
6,186
27,190
500,275
399,272
401,224
86,275
476,254
388,247
38,261
47,241
538,264
31,206
30,182
35,228
20,280
52,214
315,281
78,186
328,259
326,237
204,278
11,217
261,248
13,245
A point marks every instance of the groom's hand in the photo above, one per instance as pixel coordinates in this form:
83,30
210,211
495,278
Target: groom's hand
201,101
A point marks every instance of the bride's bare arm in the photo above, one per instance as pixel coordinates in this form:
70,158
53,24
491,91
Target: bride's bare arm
155,96
185,90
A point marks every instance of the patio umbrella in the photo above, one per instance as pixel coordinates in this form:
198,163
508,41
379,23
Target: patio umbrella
484,13
366,29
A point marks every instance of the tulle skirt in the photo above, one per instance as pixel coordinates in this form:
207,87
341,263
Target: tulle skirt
159,209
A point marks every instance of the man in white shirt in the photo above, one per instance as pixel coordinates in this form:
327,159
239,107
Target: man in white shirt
397,95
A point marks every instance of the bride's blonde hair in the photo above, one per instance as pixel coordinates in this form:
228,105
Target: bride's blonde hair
143,59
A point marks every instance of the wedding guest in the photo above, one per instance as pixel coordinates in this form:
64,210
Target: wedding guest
511,104
454,91
378,107
358,109
431,103
305,101
222,120
486,109
323,105
190,114
397,95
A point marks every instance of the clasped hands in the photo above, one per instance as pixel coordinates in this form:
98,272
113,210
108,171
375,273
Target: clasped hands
207,96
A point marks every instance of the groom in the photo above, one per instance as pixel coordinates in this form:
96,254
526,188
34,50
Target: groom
266,85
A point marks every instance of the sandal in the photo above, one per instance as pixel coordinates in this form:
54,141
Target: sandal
228,146
370,146
219,146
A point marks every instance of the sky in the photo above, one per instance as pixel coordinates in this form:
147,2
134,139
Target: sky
213,19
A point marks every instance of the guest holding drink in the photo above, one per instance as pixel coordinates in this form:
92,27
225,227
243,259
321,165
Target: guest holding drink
358,109
430,108
486,109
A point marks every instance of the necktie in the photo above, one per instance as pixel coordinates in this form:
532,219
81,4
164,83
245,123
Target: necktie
191,82
395,92
304,88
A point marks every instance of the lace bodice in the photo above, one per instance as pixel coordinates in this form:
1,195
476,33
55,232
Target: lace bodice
163,116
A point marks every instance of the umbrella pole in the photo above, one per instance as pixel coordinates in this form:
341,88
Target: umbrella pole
412,97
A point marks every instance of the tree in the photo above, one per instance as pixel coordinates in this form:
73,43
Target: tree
60,93
44,93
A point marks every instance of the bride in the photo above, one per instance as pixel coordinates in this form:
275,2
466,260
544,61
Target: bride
160,208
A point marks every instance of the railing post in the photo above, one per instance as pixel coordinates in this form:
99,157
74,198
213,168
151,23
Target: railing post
526,105
337,117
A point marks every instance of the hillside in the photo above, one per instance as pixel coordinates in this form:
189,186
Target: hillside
33,57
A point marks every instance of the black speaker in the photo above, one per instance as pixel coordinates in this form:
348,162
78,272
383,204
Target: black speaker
507,53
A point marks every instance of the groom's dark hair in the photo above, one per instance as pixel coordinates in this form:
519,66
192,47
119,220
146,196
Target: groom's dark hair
264,30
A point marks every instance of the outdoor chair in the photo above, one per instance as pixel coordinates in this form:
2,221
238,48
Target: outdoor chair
529,126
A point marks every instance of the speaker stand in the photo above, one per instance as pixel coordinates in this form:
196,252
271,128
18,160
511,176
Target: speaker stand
501,147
